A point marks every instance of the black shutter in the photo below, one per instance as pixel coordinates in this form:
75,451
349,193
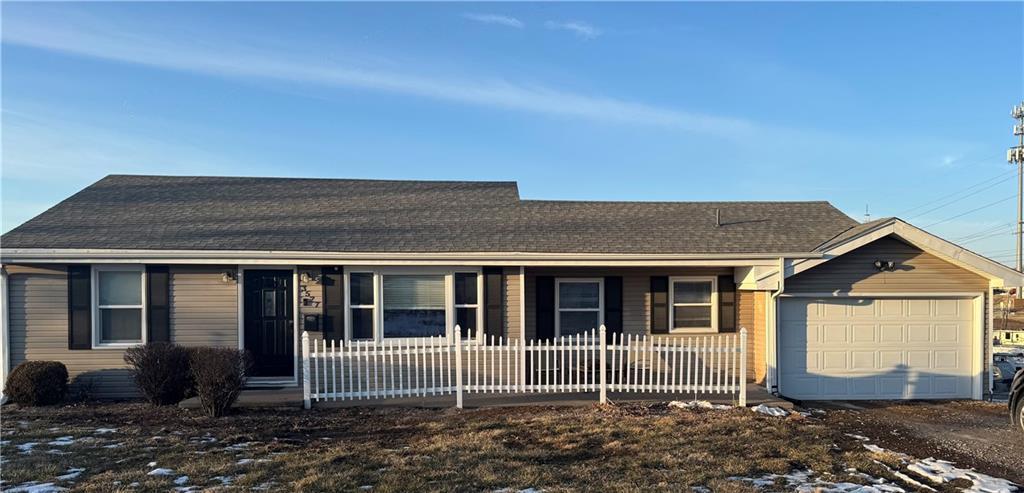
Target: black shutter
79,307
545,307
613,304
494,294
726,304
158,303
333,282
659,305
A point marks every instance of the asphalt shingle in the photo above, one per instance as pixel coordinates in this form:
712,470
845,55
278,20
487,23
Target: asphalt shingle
334,215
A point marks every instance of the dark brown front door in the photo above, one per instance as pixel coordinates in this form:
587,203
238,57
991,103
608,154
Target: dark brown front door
269,322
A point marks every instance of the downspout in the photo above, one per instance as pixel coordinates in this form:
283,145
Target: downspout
5,346
771,329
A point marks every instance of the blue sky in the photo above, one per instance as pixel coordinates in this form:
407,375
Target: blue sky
901,107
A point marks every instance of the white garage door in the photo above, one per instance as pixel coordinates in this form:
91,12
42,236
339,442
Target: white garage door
876,348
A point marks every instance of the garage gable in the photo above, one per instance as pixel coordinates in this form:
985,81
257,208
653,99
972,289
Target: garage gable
914,271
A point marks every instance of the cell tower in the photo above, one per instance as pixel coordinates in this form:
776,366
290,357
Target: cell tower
1016,156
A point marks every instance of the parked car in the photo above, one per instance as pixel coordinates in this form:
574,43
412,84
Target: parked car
1002,375
1016,400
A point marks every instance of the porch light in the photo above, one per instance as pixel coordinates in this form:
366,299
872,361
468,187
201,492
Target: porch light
228,276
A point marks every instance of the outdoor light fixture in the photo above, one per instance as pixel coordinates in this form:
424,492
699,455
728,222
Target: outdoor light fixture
228,276
885,265
306,278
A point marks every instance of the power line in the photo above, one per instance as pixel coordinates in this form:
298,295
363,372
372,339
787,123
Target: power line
971,187
951,202
1000,201
986,236
984,231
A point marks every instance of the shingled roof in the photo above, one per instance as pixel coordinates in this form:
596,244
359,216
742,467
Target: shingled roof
333,215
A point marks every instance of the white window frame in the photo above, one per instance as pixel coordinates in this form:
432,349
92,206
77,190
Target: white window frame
558,301
97,342
477,305
378,299
672,304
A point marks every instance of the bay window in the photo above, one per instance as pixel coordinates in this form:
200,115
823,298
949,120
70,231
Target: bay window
118,306
580,305
694,303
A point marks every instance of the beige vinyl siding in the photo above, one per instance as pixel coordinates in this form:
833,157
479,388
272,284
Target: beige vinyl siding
204,308
636,297
750,307
39,331
916,272
512,303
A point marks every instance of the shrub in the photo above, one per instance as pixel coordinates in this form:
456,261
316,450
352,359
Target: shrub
161,371
37,383
219,374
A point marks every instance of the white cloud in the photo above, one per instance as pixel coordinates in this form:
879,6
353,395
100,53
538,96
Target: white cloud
580,28
503,20
143,45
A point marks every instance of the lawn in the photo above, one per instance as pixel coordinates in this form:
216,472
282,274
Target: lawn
115,447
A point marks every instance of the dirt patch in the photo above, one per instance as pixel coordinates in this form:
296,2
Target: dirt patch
132,447
975,433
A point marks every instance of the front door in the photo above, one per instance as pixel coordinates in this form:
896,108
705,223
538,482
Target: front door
269,322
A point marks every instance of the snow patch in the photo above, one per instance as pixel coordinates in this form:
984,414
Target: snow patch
697,405
242,462
104,431
62,441
805,482
35,487
770,411
72,473
181,480
161,471
26,448
857,437
942,471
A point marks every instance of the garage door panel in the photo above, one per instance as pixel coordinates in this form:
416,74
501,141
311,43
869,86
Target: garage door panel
890,333
919,333
876,348
947,332
834,333
863,361
864,333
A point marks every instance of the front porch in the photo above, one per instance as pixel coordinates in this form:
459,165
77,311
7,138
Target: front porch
291,397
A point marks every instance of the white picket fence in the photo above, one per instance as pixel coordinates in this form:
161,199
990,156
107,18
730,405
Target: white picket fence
593,362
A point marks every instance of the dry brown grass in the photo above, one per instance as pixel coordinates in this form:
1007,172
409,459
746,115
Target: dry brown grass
611,448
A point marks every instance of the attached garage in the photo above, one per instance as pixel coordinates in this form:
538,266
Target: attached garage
885,319
879,347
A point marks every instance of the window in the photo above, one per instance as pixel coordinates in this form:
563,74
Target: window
408,302
580,305
694,301
467,303
361,302
414,306
119,318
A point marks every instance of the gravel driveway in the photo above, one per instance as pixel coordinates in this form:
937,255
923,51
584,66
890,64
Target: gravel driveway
970,433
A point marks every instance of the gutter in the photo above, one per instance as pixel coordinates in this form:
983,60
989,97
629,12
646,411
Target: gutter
42,255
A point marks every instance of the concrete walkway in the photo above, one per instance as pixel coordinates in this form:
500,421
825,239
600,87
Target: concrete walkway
291,397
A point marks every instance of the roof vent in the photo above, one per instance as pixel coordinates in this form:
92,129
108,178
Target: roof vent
718,217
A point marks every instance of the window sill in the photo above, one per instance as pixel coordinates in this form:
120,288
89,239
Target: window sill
117,345
694,331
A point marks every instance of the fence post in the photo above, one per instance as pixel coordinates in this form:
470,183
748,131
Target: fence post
305,370
604,369
522,363
743,367
458,367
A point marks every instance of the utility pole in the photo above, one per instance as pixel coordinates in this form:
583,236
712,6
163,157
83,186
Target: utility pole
1016,156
